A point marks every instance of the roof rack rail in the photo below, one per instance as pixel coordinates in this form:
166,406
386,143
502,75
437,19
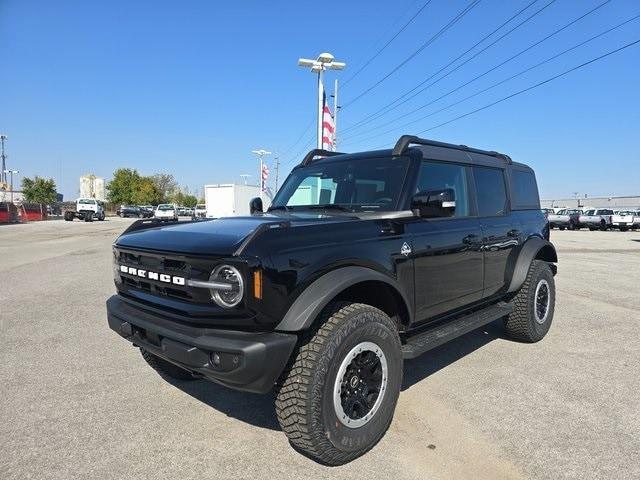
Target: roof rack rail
406,140
310,157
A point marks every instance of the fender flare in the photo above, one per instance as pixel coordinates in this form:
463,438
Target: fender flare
527,254
306,308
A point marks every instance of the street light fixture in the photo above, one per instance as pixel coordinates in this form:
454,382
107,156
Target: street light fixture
325,61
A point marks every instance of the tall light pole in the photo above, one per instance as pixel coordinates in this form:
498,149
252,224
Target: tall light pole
11,172
261,153
323,62
3,177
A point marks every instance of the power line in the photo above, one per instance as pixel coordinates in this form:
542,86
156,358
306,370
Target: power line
304,132
432,39
495,67
520,92
501,82
377,113
373,57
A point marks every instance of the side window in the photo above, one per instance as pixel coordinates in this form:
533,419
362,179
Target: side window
524,190
491,191
438,176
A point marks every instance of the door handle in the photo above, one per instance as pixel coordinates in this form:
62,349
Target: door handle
513,233
470,239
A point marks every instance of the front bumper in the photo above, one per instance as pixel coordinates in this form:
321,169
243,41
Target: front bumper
250,361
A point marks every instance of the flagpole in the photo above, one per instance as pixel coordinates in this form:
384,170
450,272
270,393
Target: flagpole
320,105
260,177
335,116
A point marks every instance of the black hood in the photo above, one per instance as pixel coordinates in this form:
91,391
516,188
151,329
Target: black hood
214,237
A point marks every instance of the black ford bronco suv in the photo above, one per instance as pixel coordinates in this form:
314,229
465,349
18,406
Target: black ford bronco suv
361,261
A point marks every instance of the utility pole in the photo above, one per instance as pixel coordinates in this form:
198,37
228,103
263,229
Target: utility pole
323,62
277,172
336,107
3,176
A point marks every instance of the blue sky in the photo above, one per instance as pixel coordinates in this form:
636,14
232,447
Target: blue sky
190,88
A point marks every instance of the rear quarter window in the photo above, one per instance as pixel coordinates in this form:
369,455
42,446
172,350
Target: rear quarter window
524,190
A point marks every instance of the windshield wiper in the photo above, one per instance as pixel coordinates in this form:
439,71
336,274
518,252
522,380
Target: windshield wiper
329,206
279,207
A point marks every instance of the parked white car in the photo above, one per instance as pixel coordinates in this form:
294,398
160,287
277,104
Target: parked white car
200,211
166,211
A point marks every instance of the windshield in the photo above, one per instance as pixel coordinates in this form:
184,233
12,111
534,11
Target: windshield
84,201
165,207
201,207
366,184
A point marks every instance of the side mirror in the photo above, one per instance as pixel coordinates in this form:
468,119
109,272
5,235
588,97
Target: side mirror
255,205
434,203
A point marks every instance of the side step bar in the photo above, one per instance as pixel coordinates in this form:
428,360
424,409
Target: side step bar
441,333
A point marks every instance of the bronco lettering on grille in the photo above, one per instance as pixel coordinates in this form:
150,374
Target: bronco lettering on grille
159,277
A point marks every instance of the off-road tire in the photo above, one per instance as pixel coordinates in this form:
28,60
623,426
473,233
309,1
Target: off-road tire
167,370
521,323
304,403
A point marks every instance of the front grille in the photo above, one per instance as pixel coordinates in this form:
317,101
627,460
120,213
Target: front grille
196,269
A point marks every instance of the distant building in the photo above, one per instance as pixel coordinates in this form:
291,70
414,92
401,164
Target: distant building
6,196
92,187
631,202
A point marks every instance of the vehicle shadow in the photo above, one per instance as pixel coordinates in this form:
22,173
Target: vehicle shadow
251,408
258,410
434,360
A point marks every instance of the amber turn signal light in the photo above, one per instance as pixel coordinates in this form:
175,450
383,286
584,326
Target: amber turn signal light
257,284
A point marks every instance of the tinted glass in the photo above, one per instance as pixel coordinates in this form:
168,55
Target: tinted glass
524,190
491,192
438,176
367,184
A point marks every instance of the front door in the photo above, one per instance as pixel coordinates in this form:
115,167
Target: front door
446,251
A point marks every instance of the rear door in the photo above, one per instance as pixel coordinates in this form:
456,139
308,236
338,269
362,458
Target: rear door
500,235
446,251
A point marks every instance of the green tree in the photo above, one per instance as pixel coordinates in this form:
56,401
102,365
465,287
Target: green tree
39,190
146,192
166,185
190,201
121,189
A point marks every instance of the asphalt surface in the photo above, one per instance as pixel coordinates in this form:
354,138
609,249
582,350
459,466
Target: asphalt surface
79,402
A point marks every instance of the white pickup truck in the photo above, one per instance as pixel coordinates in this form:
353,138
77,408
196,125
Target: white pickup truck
565,218
625,219
87,209
595,219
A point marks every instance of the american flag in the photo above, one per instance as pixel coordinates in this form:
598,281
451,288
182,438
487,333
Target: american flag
328,127
265,176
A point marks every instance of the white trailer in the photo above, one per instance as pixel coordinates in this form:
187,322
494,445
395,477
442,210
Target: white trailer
230,200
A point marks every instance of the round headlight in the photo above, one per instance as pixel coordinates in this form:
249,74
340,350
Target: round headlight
229,275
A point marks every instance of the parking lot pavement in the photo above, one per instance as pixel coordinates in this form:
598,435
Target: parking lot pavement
79,402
